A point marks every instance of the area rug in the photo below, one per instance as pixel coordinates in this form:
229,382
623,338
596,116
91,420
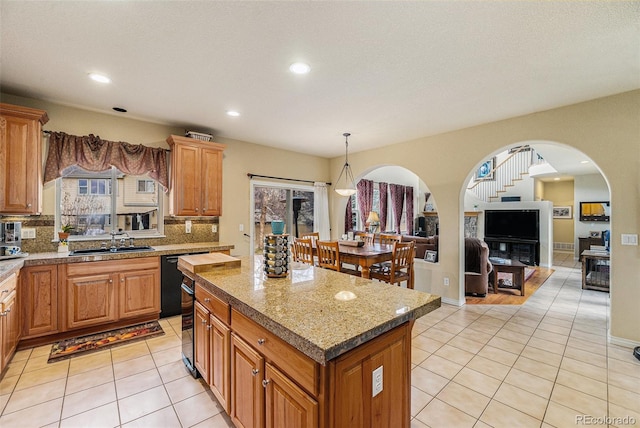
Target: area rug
96,342
534,278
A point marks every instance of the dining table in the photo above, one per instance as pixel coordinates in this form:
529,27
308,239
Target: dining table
365,256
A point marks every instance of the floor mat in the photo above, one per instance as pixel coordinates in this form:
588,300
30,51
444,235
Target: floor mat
96,342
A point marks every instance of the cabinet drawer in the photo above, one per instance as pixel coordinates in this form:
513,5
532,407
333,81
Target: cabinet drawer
217,307
8,285
298,366
112,266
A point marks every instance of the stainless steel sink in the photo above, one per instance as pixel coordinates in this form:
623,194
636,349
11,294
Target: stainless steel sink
90,251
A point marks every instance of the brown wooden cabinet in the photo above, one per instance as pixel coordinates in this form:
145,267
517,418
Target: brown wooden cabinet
103,292
273,384
39,300
139,290
213,345
247,392
21,159
196,177
91,300
9,319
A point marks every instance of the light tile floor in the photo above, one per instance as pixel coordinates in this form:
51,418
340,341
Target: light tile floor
546,363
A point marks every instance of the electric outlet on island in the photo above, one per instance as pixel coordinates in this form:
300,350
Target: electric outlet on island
377,381
446,281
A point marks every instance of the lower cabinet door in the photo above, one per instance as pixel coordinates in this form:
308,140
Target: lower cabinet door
139,293
9,329
287,406
247,392
219,374
201,341
91,300
39,300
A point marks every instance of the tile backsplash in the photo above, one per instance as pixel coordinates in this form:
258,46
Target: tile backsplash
174,231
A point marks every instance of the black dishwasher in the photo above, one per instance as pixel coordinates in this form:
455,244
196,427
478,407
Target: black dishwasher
171,282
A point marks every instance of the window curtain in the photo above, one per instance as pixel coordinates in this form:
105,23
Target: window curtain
408,203
321,210
365,199
348,225
384,202
397,202
94,154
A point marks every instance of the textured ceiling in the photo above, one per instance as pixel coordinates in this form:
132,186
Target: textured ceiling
385,71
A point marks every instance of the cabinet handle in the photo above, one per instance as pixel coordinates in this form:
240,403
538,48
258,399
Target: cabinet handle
3,314
111,281
266,382
261,341
255,372
207,300
28,205
196,210
204,322
5,291
208,326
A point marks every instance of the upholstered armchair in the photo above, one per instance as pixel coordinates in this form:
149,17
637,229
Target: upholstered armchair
477,267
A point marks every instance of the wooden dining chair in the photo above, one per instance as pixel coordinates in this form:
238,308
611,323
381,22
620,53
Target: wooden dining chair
314,236
389,238
329,257
368,238
401,267
303,251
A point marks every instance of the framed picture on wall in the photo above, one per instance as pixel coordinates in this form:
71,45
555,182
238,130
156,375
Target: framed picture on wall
562,212
430,256
485,171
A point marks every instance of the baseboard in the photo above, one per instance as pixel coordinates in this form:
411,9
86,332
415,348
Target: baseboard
621,341
454,302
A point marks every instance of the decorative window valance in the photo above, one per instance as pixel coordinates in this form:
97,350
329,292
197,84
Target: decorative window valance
94,154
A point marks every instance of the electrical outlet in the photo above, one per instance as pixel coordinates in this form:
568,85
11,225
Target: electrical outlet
377,381
629,239
214,228
241,227
446,281
28,233
187,226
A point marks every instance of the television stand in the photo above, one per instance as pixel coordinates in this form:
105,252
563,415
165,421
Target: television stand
526,251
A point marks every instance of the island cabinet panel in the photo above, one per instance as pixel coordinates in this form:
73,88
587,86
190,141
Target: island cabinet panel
9,319
21,159
196,177
247,391
139,293
39,300
91,300
352,385
201,338
287,405
219,362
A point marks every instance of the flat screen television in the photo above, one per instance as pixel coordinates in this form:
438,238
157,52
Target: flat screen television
515,224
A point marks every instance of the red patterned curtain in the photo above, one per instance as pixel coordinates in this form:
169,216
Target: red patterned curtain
408,202
348,225
365,199
384,202
397,202
93,154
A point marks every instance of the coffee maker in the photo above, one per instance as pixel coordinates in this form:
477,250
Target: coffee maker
10,237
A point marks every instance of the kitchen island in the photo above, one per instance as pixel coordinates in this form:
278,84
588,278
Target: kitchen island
315,349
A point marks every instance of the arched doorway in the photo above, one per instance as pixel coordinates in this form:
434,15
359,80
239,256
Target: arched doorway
547,177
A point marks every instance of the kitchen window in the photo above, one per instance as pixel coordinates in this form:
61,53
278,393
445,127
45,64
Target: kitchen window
97,203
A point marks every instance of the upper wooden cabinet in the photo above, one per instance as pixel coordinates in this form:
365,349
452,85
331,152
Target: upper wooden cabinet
21,159
196,177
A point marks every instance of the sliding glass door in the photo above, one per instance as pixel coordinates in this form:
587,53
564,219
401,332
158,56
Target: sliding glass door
274,201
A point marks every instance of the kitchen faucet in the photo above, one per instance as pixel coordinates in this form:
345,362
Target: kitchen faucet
115,233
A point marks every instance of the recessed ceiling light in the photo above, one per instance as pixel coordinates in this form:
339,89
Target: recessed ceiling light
585,161
556,179
99,78
233,113
299,68
120,109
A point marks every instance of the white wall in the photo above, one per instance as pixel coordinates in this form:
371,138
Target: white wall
588,188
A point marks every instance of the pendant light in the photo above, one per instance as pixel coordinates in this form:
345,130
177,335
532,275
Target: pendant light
347,187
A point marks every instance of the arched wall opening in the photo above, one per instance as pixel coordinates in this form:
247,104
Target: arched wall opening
559,178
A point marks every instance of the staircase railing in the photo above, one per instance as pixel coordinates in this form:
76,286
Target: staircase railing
508,171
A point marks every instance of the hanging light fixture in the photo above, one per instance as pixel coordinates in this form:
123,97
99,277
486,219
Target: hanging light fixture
348,186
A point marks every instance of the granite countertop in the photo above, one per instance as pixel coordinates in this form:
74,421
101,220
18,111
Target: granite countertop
7,267
320,312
